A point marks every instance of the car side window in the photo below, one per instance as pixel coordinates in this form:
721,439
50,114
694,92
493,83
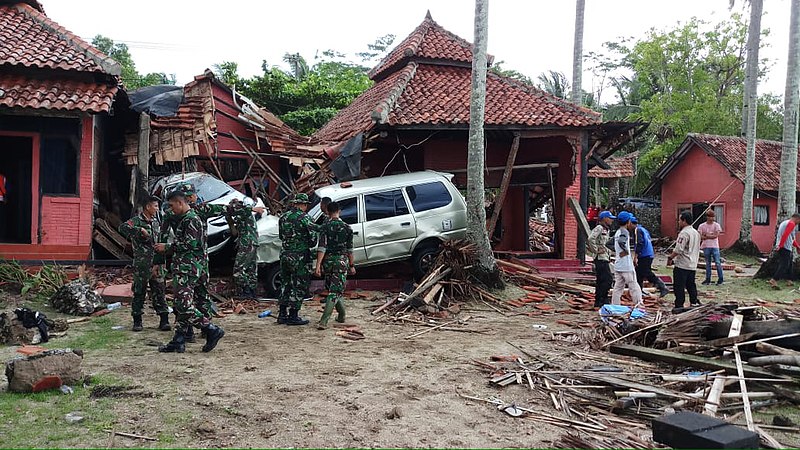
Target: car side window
385,204
429,196
349,210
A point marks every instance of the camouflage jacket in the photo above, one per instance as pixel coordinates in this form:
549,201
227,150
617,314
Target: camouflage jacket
204,211
134,229
335,238
245,223
296,231
188,247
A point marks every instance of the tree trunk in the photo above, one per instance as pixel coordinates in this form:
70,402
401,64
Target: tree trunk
745,242
613,194
598,193
486,269
787,191
577,54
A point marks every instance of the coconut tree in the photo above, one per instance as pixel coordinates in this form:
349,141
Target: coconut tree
577,53
788,185
745,242
486,268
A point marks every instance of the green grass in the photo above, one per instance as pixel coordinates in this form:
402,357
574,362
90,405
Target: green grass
37,420
93,335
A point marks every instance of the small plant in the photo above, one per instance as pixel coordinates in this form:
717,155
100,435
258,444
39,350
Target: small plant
43,283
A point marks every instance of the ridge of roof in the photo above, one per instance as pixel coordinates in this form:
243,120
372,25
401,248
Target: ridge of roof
381,112
106,63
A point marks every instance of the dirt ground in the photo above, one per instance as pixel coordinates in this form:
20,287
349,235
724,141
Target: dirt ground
268,385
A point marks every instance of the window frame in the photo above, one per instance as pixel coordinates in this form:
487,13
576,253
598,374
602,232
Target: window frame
76,193
719,217
760,224
401,195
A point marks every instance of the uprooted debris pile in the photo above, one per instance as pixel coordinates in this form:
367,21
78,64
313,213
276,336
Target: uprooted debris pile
26,326
76,298
541,235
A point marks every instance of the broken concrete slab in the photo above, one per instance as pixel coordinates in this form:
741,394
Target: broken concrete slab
117,293
25,372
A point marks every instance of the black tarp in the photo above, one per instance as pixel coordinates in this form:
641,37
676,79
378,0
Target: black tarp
347,166
161,100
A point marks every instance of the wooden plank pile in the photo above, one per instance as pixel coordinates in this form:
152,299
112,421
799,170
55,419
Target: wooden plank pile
541,235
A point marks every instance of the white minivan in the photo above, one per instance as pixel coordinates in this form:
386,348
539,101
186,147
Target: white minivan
395,217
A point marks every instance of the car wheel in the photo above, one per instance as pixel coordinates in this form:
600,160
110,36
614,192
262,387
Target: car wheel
272,281
423,260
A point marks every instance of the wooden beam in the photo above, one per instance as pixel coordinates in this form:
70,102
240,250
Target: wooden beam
679,359
498,203
583,224
712,402
143,158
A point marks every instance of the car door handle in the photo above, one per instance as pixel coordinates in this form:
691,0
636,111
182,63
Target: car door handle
405,224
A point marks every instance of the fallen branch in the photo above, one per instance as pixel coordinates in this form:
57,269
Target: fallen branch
130,435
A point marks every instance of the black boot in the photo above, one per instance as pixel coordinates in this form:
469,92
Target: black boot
213,335
295,319
283,315
662,289
190,339
137,323
164,324
176,345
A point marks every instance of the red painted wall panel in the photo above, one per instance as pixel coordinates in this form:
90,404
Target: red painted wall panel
68,220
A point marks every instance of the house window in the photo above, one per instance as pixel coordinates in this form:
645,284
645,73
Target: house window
760,215
59,167
719,214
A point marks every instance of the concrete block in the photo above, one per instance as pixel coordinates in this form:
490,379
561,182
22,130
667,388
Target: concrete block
25,372
691,430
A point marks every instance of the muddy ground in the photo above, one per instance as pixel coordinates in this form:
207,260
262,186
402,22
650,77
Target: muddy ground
268,385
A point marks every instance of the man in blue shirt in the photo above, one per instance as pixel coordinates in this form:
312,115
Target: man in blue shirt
644,252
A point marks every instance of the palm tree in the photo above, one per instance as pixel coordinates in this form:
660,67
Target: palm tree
577,54
745,242
297,65
788,187
486,267
554,82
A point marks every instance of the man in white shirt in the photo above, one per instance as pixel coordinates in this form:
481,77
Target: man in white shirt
685,256
625,271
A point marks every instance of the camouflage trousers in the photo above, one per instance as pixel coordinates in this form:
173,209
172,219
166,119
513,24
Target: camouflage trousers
335,267
202,299
245,268
295,276
145,275
186,313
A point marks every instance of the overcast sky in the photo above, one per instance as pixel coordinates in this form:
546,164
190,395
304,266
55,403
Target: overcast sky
184,37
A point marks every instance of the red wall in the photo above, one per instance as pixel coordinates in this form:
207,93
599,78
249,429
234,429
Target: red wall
67,220
700,178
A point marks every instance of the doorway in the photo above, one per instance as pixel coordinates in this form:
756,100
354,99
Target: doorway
16,165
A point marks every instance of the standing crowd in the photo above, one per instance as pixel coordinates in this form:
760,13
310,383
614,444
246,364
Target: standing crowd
180,237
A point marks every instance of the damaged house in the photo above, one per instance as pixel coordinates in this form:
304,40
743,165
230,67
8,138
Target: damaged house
56,96
416,117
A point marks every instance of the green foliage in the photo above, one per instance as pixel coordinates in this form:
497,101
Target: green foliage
510,73
131,78
377,48
305,97
42,284
683,80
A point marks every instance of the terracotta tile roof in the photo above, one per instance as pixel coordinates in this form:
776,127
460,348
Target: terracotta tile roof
426,80
28,38
25,92
438,95
731,152
621,167
428,41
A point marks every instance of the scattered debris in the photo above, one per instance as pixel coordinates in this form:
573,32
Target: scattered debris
76,298
351,333
130,435
394,413
74,417
541,235
104,391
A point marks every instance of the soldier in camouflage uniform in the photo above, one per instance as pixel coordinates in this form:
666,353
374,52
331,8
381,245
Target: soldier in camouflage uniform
296,232
243,225
148,270
205,211
335,257
188,250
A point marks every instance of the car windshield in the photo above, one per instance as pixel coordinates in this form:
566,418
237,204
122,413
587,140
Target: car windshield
209,188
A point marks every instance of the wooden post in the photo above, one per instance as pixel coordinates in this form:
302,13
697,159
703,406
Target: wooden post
143,159
498,203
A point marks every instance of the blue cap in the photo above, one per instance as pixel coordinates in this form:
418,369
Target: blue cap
606,215
625,217
634,220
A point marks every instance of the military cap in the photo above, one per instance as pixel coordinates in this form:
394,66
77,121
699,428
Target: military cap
187,189
300,198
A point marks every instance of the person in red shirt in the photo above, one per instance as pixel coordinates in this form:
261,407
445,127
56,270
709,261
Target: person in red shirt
785,242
